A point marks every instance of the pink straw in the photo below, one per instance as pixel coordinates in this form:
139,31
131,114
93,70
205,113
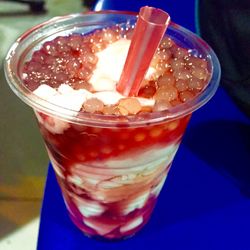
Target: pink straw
150,28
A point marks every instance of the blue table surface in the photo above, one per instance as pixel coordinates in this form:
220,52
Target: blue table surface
205,203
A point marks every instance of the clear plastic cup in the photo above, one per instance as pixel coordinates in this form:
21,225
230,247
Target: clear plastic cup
110,169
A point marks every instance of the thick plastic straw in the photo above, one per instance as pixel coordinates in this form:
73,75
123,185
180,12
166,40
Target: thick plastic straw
149,30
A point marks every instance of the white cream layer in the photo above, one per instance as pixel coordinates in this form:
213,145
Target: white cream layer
110,64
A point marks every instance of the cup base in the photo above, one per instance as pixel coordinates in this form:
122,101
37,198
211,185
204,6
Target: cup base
110,237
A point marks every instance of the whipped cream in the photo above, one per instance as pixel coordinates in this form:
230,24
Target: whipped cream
72,100
65,97
110,64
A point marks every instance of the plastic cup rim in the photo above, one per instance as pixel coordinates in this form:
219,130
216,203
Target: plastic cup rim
41,105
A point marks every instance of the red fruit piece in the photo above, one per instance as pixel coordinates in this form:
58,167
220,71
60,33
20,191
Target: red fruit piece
148,90
132,105
93,105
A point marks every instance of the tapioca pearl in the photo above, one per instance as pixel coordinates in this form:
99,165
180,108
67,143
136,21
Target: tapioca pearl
155,132
45,73
93,105
177,64
93,154
175,102
33,66
96,130
186,96
72,66
166,43
81,84
81,157
50,48
173,125
63,48
161,105
90,67
60,77
84,73
75,41
124,135
121,147
164,54
179,52
63,58
127,35
132,224
139,137
181,85
195,83
85,47
132,105
31,84
182,74
155,60
38,56
200,73
166,80
161,67
98,46
106,150
109,35
88,57
170,93
62,44
192,61
61,40
51,62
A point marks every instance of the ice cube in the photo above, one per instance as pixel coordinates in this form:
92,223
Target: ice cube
67,98
99,227
45,92
131,224
88,208
108,97
136,203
